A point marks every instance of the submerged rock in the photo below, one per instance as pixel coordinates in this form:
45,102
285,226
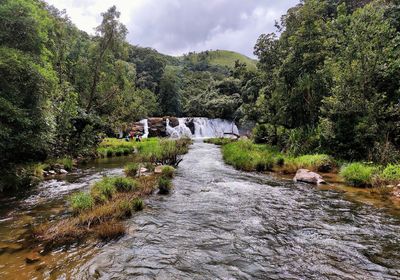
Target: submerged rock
307,176
396,191
32,257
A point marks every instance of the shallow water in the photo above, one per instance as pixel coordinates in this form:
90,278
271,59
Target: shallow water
220,223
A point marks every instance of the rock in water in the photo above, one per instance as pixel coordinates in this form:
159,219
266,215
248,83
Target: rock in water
307,176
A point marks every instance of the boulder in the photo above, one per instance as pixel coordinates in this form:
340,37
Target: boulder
307,176
157,127
158,169
173,121
32,257
52,172
190,124
63,171
143,170
137,128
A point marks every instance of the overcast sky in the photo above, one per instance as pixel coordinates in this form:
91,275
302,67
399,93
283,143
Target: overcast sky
179,26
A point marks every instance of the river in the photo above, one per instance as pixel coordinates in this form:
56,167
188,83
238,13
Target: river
220,223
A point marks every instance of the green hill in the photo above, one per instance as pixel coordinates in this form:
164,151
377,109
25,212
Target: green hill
222,58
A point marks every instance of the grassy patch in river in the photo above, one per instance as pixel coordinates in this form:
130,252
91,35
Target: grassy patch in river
247,156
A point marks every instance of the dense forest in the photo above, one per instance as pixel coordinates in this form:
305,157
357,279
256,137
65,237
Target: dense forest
325,82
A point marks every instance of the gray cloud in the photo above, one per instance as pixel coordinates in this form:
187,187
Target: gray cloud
180,26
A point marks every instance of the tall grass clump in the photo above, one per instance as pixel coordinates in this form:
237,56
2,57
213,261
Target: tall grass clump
317,162
103,190
164,185
168,171
137,204
219,141
358,174
245,155
68,163
123,184
81,201
391,174
131,169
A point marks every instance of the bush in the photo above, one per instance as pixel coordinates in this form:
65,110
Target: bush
68,163
391,174
137,204
168,171
358,174
81,201
125,184
103,190
164,185
110,230
264,133
317,162
125,208
245,155
219,141
131,169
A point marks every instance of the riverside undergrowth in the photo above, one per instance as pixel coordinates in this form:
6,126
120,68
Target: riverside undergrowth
248,156
100,211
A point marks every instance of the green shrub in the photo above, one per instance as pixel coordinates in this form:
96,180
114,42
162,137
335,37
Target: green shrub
391,173
103,190
131,169
125,208
164,185
68,163
245,155
149,166
358,174
219,141
168,171
263,133
317,162
125,184
81,201
137,204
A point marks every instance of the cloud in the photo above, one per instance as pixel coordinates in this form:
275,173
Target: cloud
179,26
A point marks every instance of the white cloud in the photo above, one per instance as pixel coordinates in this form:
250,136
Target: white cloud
179,26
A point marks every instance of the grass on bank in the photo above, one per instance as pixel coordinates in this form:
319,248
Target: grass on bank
100,211
152,150
247,156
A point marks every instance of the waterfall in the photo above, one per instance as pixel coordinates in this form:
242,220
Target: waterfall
145,127
178,131
203,128
206,128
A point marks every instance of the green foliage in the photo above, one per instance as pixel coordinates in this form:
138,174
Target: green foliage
103,190
330,79
81,201
131,169
391,173
167,171
219,141
164,185
358,174
317,162
137,204
247,156
125,184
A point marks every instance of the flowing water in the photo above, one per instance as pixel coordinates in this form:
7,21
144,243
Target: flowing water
220,223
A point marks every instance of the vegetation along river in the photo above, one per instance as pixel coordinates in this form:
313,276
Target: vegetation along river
218,223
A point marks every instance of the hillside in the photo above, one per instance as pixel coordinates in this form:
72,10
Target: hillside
221,58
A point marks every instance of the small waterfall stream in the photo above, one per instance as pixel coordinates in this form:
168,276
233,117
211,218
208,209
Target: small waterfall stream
195,128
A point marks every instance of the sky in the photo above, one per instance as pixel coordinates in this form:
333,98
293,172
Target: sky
176,27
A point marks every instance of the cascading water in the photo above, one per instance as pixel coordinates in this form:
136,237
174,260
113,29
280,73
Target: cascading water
203,128
179,131
145,127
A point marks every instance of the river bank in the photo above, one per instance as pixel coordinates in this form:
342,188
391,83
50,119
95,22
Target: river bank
376,179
